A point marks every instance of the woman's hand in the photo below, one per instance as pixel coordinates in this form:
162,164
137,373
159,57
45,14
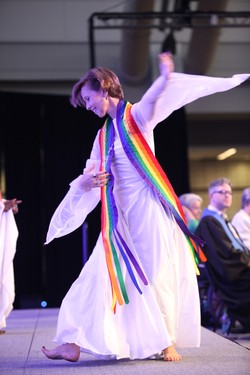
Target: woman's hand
12,204
166,63
93,180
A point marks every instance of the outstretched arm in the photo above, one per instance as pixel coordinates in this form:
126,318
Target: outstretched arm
172,91
143,111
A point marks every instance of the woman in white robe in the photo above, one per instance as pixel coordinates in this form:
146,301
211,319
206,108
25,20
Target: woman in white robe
8,239
167,313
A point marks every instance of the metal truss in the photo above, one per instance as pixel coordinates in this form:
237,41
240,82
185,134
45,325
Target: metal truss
162,21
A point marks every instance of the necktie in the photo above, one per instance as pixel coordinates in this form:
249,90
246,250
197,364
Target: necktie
233,230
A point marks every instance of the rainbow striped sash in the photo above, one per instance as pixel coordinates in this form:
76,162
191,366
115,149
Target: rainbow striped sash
146,164
112,239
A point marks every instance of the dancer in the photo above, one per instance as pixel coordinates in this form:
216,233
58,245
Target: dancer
137,296
8,240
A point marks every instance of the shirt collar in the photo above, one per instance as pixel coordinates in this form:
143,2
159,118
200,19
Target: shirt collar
221,213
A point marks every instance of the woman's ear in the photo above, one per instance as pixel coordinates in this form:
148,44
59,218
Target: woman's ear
105,94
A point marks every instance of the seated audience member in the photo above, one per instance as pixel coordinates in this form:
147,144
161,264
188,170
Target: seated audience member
228,260
8,238
191,204
241,220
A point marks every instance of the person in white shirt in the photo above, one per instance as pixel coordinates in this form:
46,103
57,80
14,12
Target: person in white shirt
241,220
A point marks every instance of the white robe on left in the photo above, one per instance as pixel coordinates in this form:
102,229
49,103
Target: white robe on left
8,239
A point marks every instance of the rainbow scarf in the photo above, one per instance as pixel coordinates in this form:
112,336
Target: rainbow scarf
146,164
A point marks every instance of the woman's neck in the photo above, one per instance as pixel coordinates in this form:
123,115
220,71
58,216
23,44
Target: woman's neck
113,103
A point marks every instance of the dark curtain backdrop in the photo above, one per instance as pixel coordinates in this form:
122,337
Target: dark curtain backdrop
45,143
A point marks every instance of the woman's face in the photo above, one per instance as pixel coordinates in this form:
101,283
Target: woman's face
195,208
95,101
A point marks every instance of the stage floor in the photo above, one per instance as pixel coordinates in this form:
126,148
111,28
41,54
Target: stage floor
29,330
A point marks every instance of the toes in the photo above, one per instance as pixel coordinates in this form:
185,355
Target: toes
170,354
169,358
68,352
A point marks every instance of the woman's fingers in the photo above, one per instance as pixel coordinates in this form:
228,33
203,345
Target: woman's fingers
100,179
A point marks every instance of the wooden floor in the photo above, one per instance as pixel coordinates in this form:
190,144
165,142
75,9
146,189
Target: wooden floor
29,330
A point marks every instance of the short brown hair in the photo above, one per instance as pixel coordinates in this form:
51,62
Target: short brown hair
98,78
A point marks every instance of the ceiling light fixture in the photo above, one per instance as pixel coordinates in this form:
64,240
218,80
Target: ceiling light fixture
226,154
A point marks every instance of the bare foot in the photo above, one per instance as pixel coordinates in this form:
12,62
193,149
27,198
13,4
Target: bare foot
170,354
69,352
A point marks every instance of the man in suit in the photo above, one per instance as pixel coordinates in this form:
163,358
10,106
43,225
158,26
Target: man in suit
228,260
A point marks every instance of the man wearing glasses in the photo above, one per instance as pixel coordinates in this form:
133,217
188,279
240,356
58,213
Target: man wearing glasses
228,260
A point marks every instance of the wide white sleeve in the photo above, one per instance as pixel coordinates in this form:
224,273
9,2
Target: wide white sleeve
166,96
77,203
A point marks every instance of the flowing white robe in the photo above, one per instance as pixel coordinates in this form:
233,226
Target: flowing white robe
8,239
168,311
